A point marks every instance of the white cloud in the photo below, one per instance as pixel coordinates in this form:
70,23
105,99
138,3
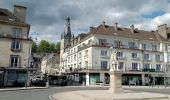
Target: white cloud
47,16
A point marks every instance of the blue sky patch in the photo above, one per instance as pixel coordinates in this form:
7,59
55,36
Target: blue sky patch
154,14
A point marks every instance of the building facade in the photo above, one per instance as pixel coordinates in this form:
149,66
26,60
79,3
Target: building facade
143,55
50,64
15,51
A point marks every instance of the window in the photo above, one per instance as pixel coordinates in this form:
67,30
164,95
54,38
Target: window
75,66
147,66
86,53
75,57
15,61
71,58
158,67
119,54
132,45
144,46
16,33
71,51
86,64
121,65
79,66
118,44
154,47
135,66
157,57
104,65
134,55
102,42
79,54
103,52
146,57
16,45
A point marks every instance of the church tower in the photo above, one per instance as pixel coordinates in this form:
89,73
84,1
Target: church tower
65,40
66,36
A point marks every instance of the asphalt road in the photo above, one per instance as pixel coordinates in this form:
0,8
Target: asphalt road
40,94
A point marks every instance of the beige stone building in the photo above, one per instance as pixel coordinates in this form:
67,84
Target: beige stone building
144,56
15,47
50,64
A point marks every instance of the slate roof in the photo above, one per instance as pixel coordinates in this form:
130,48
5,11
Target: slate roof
126,33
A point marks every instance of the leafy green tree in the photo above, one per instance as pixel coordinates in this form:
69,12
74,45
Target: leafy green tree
34,47
57,47
44,47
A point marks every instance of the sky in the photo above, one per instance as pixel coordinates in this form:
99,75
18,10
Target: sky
46,17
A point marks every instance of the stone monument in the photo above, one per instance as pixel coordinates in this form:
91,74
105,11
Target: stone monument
115,75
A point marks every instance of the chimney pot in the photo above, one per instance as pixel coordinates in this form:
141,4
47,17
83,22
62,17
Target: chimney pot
116,25
103,23
132,28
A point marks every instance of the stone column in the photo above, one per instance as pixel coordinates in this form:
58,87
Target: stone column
115,82
87,78
102,78
143,79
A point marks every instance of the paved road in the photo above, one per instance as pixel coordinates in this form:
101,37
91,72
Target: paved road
39,94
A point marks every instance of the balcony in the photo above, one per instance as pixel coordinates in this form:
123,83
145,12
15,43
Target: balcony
147,60
120,46
133,47
148,70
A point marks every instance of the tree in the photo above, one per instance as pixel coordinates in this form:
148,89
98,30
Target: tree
57,46
34,47
44,47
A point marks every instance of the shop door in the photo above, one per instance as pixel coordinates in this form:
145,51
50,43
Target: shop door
94,78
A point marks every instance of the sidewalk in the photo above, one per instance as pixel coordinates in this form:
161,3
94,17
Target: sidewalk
106,95
21,88
147,87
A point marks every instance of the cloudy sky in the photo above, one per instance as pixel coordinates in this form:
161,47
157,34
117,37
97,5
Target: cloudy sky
47,16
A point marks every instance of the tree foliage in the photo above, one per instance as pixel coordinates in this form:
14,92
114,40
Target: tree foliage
34,47
45,47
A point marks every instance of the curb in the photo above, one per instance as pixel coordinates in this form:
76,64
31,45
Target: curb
51,97
18,89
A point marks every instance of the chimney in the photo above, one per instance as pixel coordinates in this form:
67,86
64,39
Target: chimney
162,30
92,29
20,12
103,23
132,29
116,26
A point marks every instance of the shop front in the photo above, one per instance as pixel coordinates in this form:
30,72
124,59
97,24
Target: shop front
1,78
132,79
16,78
94,78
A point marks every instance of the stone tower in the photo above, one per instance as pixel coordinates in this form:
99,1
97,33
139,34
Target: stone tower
65,39
66,36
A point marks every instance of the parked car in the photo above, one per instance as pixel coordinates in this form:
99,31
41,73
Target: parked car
38,81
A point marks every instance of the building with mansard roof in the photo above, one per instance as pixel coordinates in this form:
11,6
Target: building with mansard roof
15,50
144,56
